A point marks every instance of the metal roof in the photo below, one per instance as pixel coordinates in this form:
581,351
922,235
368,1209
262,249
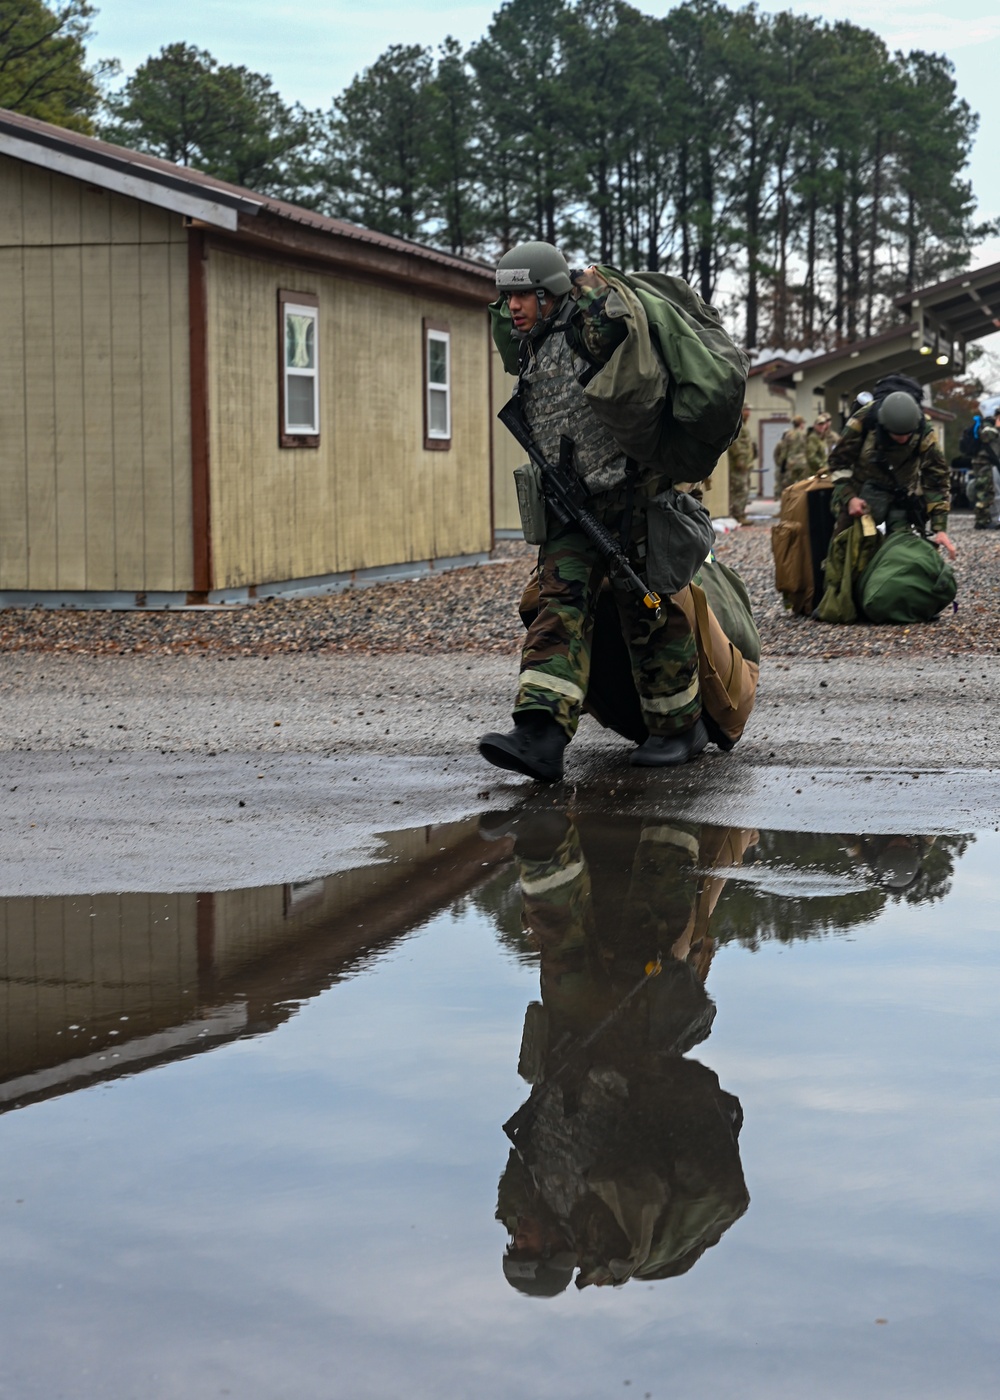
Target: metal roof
216,203
962,308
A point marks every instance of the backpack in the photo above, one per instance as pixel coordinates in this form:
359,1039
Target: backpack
894,384
706,373
968,443
799,542
706,376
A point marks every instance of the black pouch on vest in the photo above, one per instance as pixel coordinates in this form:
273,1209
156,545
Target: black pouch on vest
679,540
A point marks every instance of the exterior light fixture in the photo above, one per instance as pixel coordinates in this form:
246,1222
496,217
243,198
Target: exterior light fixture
925,349
941,360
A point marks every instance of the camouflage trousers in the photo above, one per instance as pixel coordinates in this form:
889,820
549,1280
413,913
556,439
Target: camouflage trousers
555,661
739,492
985,495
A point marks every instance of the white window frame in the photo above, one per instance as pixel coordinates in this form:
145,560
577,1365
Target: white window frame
298,434
436,438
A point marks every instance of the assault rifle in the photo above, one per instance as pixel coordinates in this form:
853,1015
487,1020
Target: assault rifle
528,1111
566,494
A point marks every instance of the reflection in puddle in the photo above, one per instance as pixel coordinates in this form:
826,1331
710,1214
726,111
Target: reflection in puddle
324,1183
96,986
625,1161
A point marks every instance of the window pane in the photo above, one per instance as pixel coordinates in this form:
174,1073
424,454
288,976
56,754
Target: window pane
437,361
438,412
301,402
300,341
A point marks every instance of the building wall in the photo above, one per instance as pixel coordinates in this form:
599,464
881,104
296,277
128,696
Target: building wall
95,451
72,969
370,494
771,410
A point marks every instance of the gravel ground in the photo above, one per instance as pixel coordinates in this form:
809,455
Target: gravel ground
474,610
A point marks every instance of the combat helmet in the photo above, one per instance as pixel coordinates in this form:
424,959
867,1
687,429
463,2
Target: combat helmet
534,267
900,413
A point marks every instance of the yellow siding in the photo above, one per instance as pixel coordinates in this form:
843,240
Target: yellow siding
370,494
715,489
95,452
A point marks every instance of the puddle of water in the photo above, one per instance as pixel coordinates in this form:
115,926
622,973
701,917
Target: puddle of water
531,1106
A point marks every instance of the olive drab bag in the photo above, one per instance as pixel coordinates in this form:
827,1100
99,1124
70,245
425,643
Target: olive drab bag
848,557
706,374
672,393
907,581
717,607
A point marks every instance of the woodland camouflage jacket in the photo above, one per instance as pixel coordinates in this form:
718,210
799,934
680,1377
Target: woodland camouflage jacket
867,456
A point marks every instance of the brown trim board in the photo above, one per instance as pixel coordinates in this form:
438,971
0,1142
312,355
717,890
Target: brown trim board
201,516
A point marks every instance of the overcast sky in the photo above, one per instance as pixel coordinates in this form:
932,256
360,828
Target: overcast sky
312,50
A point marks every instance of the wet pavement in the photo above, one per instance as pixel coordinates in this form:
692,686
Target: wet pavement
180,773
682,1089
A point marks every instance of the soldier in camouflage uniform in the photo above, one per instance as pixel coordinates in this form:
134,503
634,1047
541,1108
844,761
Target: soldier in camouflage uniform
888,464
819,443
742,456
790,456
983,464
568,327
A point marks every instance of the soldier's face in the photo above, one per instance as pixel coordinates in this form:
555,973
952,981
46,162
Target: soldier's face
900,437
525,308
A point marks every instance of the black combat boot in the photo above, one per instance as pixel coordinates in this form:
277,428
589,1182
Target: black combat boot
533,747
662,751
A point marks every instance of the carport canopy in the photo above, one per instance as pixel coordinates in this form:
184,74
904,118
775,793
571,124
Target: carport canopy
942,320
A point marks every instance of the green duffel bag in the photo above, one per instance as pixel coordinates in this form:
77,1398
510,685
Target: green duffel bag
729,600
907,581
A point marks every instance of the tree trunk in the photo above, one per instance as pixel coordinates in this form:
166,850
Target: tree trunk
838,253
809,285
873,228
705,261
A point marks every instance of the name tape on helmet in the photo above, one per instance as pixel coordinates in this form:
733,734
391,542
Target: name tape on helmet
514,277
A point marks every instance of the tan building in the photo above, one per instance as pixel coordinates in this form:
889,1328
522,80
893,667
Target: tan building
207,394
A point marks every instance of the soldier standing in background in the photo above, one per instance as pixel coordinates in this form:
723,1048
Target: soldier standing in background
983,464
790,455
742,456
820,442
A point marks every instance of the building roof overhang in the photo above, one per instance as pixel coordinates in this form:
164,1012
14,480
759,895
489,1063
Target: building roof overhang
959,309
240,214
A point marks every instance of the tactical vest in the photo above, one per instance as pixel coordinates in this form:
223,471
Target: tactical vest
555,406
